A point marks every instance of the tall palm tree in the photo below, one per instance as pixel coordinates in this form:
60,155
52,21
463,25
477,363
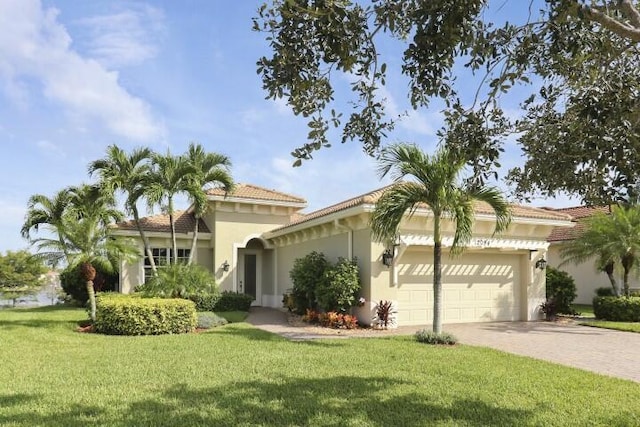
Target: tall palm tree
207,170
434,183
168,178
85,240
119,171
611,238
46,212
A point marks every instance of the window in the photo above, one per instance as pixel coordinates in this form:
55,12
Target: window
162,257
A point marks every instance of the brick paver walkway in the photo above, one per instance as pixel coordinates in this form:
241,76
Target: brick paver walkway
602,351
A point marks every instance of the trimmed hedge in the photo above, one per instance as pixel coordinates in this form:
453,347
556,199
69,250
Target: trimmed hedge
617,309
123,315
205,302
231,301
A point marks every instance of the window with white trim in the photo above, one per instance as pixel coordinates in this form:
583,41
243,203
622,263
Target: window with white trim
162,257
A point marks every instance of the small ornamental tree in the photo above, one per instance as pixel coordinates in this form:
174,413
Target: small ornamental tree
561,289
338,290
306,274
20,275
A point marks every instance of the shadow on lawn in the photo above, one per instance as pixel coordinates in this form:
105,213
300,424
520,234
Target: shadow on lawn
336,401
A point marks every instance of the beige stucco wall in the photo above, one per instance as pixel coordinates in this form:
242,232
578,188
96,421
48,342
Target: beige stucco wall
585,275
233,230
332,246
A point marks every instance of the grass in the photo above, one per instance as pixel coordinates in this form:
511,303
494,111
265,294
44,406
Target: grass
238,375
619,326
585,310
233,316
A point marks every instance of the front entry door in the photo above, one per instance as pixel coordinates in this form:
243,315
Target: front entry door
250,277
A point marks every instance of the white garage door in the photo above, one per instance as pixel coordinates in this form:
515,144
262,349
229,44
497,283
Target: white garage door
477,287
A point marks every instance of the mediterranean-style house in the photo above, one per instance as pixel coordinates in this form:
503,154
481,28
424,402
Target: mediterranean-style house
250,238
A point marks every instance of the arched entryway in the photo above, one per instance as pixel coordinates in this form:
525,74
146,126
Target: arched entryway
255,270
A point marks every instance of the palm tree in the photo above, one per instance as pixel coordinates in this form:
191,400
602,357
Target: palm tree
610,238
120,171
207,169
434,184
47,212
83,235
168,177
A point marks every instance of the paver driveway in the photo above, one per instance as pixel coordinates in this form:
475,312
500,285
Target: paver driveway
603,351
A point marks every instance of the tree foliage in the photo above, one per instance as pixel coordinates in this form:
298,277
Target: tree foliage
433,181
613,239
20,275
579,129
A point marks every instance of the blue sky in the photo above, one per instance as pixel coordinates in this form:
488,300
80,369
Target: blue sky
77,76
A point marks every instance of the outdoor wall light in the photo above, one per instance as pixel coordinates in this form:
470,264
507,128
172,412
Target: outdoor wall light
541,264
387,257
225,266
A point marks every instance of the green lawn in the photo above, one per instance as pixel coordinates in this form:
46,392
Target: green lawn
233,316
238,375
585,310
619,326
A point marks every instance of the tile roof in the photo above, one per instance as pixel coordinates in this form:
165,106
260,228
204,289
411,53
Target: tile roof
184,223
373,196
250,191
578,213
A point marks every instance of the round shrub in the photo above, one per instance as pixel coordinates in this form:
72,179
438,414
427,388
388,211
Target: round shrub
232,301
605,291
338,290
208,320
125,315
205,302
75,286
306,275
561,289
617,309
429,337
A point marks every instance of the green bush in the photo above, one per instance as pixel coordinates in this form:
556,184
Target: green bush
605,291
429,337
338,290
205,302
617,309
231,301
125,315
208,320
75,286
306,275
192,282
561,289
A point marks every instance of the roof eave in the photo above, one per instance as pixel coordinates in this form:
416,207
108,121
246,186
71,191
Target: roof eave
232,199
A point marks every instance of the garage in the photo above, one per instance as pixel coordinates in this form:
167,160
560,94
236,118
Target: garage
481,286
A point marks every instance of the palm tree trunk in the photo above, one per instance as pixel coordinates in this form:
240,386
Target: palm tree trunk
194,243
89,274
92,299
174,244
608,269
145,240
625,281
627,265
437,276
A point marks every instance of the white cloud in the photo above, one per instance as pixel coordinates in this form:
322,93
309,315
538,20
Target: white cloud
331,177
35,46
49,148
125,38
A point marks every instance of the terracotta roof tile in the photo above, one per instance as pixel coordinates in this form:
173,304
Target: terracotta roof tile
578,213
373,196
250,191
184,222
